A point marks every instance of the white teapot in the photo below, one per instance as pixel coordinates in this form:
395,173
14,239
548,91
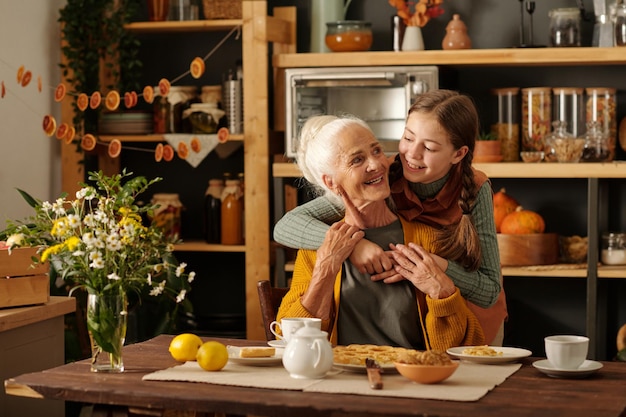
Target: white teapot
308,354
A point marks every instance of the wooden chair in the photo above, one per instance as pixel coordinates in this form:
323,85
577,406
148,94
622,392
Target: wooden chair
270,299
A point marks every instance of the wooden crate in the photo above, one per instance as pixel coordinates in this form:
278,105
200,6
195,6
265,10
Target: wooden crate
20,283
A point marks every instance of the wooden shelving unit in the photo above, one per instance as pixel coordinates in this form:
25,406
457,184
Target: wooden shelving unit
595,173
258,29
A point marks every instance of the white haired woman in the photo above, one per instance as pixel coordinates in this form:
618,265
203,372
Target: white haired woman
425,310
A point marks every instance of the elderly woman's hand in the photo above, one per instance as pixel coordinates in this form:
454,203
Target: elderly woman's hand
370,258
339,242
420,267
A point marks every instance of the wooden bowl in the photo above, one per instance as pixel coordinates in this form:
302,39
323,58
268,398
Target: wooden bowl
426,374
529,249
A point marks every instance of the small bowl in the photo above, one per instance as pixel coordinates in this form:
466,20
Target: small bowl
349,36
532,156
426,374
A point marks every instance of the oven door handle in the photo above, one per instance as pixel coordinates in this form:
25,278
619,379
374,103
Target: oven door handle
376,78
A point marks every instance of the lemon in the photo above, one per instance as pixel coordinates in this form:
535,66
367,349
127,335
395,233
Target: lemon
184,347
212,356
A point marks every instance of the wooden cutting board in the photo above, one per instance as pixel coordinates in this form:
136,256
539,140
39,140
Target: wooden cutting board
530,249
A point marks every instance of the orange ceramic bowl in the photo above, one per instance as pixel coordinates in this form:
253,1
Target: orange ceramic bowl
426,374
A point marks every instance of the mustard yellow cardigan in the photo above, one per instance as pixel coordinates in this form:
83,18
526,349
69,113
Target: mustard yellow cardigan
445,323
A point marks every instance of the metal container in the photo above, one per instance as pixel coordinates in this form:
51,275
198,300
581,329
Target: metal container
232,94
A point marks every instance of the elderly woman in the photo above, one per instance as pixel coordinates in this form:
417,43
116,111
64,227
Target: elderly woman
342,157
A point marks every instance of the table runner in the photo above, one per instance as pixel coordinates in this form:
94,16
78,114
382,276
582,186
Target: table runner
470,382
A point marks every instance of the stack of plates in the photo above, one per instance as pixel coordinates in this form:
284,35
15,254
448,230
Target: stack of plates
126,123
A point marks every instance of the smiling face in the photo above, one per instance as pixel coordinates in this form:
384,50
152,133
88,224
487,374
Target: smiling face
362,168
426,152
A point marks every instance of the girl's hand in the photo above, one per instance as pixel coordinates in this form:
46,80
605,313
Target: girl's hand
417,265
371,258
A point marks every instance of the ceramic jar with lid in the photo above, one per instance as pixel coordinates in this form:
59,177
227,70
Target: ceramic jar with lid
506,127
564,27
456,35
614,248
536,117
596,144
601,107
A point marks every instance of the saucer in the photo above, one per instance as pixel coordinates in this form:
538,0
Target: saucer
277,343
584,370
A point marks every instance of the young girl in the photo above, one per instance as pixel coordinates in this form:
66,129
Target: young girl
433,182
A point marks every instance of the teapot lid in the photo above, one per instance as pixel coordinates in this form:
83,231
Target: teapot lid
310,331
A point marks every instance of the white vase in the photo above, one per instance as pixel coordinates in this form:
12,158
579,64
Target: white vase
412,40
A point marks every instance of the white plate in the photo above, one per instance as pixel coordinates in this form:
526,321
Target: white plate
389,368
584,370
509,354
233,356
277,343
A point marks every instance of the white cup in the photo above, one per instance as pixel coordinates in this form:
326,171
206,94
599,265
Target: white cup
289,325
565,351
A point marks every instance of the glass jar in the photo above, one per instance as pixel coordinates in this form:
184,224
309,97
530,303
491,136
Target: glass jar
506,127
601,107
213,211
596,144
564,27
232,213
204,117
349,35
180,98
564,147
536,117
614,248
568,107
167,215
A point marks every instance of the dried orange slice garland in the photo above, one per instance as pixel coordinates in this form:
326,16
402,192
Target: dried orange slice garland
148,94
62,130
88,142
222,135
164,87
112,100
183,150
115,148
195,144
95,100
49,124
82,102
197,67
168,153
59,92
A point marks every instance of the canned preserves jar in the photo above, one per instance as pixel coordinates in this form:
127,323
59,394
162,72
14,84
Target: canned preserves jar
167,215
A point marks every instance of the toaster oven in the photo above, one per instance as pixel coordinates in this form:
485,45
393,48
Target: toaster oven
380,95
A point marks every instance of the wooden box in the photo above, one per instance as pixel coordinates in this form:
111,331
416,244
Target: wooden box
21,283
530,249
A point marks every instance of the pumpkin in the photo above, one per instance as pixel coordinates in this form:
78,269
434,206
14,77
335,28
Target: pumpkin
522,222
503,204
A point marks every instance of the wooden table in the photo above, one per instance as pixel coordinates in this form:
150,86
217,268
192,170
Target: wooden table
526,393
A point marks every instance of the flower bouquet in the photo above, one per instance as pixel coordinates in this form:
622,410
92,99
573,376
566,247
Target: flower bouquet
424,10
97,242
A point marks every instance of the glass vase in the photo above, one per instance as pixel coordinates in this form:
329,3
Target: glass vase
106,321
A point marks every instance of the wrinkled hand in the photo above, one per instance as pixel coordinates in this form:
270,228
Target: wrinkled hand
417,265
339,242
371,258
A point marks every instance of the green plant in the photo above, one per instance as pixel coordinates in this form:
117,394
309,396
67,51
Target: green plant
93,34
97,242
487,136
